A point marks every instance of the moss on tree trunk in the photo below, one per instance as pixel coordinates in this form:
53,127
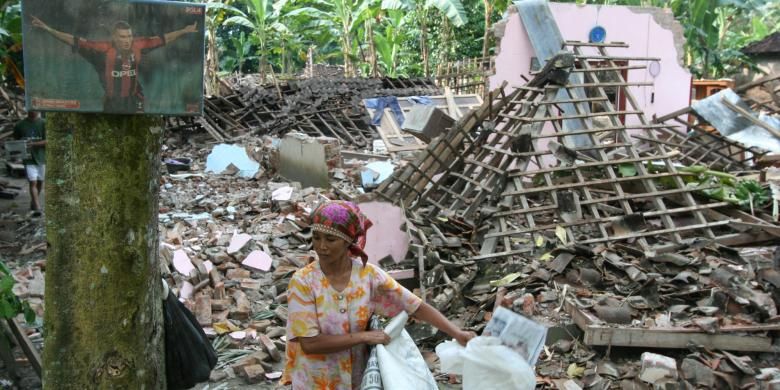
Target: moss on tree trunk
103,319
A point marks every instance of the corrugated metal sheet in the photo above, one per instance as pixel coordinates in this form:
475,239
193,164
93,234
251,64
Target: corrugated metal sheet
719,115
735,126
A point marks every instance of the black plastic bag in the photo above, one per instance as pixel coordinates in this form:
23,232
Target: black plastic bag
189,356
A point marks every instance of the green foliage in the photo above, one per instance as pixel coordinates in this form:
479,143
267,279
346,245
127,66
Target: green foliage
627,170
453,10
10,36
389,45
280,32
10,304
750,194
716,30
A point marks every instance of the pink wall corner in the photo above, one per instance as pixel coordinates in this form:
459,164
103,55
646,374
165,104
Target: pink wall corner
634,26
385,236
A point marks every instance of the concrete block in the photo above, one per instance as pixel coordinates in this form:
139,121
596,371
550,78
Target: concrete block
657,369
203,309
307,160
426,122
254,373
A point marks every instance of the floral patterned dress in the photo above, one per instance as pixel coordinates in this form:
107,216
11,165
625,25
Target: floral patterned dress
315,307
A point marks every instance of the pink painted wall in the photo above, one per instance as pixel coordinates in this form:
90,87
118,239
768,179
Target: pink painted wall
385,236
637,28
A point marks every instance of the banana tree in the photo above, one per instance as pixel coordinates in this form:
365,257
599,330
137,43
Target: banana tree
715,30
265,19
389,43
240,52
348,15
452,10
216,11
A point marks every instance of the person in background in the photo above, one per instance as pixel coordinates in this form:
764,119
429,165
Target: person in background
331,300
33,130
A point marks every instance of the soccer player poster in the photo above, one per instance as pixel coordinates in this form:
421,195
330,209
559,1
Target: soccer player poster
121,57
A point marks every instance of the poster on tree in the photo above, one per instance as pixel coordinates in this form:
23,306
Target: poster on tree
119,57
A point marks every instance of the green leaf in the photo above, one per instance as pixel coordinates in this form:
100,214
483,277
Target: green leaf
4,268
627,170
29,314
6,309
760,30
395,4
280,28
575,371
505,280
223,7
308,11
240,20
560,232
452,9
6,284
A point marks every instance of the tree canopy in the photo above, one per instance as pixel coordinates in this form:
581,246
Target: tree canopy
410,37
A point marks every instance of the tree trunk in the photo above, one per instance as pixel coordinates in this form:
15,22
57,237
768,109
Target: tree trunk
310,62
371,48
212,63
261,66
103,318
445,38
422,11
486,38
346,48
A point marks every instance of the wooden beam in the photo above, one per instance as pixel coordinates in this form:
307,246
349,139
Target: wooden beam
26,344
672,337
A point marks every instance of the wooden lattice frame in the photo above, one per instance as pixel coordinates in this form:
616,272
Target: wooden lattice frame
511,190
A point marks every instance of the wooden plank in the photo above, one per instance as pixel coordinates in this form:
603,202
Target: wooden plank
600,130
592,44
671,115
452,108
763,80
604,85
642,170
27,346
609,68
568,117
7,353
675,337
612,58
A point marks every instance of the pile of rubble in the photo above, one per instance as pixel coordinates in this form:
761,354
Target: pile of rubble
599,229
11,109
603,239
329,107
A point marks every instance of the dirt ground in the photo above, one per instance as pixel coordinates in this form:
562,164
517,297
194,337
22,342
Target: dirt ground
17,227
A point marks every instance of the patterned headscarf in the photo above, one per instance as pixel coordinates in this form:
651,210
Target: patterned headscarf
343,220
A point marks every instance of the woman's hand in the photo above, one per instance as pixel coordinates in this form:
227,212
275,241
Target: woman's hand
464,336
374,337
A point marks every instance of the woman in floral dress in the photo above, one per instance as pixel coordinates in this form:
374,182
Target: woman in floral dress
331,300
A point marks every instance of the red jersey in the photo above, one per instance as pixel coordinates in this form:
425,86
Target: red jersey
118,71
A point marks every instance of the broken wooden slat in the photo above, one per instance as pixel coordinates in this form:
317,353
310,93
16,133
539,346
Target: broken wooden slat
673,337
